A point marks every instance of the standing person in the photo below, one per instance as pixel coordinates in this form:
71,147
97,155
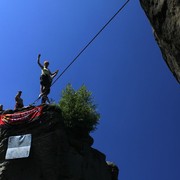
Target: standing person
1,107
19,100
45,80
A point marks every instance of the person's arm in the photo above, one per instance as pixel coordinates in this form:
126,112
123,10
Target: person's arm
54,74
38,61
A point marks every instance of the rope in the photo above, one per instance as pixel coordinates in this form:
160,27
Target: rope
120,9
91,41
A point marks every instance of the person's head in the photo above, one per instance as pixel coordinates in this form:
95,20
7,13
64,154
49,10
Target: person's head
46,64
19,93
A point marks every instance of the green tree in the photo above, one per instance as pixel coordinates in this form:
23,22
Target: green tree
78,110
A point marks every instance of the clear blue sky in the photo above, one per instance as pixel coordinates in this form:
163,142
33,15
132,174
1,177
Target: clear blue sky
137,96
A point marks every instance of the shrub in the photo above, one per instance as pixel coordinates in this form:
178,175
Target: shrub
78,109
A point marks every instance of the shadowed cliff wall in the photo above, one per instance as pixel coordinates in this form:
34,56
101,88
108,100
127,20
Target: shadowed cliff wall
164,16
56,153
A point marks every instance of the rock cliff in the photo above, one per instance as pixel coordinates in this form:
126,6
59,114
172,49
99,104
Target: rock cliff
56,153
164,16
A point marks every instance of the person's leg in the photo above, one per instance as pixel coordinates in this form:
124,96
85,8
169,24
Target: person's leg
47,99
46,91
41,90
43,84
43,100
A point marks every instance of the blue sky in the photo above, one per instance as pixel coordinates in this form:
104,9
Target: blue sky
137,95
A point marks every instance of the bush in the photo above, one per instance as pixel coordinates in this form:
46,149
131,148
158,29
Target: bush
78,109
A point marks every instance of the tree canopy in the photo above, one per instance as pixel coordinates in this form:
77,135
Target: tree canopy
78,108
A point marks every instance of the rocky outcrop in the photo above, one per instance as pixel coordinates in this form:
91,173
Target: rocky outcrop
164,16
56,153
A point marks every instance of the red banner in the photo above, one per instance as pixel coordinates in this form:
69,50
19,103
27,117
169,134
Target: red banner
19,117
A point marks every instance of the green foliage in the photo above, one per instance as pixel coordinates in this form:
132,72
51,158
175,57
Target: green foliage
78,109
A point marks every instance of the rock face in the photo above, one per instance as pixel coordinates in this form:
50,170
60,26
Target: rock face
164,16
56,153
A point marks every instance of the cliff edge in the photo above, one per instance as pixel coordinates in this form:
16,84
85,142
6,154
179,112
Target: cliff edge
34,144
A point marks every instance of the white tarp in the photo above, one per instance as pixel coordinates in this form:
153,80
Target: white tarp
18,146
